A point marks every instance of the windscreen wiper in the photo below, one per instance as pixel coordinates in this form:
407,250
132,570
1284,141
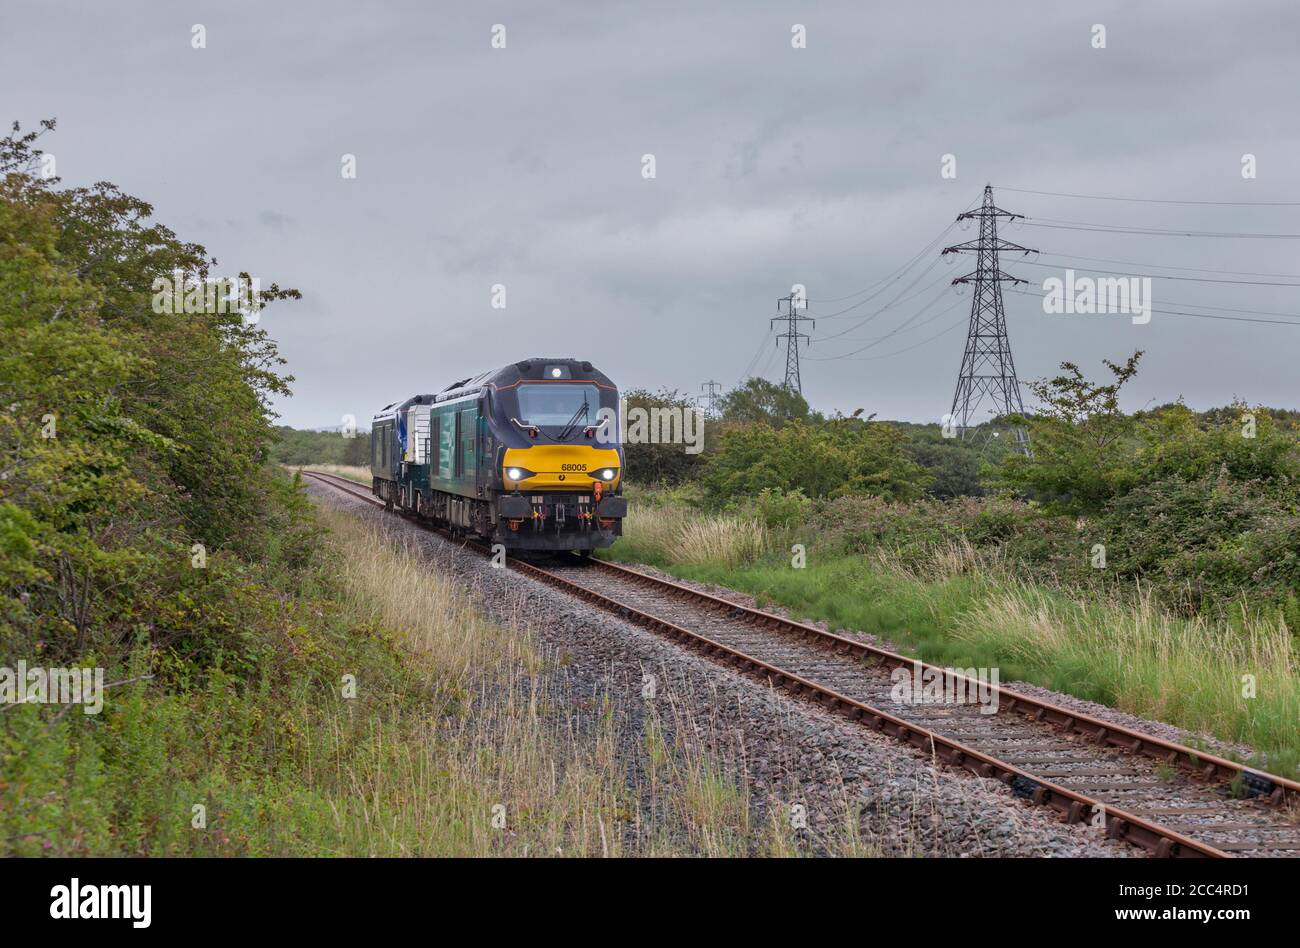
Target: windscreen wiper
582,412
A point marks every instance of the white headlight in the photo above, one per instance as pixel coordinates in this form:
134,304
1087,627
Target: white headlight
607,474
556,373
515,474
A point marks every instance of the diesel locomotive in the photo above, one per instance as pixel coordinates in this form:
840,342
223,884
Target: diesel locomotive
528,456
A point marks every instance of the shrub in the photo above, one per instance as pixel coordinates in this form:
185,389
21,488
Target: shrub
840,457
782,509
1209,539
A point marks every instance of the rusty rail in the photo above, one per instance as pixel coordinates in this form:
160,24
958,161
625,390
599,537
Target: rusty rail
1073,806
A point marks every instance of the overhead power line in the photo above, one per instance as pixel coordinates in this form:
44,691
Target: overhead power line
758,354
1167,266
920,255
896,301
915,345
1052,223
1136,200
1160,276
889,335
1172,312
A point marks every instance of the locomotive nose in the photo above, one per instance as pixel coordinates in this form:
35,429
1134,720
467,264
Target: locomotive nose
569,467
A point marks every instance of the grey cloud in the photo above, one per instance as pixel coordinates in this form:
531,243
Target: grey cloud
775,166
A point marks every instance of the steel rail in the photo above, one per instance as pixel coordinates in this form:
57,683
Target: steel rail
1204,765
1072,805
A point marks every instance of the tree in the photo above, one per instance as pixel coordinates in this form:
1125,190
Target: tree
759,400
356,450
657,462
126,434
954,465
1083,444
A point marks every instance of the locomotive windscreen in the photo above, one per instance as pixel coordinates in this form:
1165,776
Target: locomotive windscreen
557,404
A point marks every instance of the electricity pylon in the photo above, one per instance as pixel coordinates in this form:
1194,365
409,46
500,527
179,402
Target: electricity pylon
711,392
987,370
792,335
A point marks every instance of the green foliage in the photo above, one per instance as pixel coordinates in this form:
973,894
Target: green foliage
1209,541
1202,506
780,509
759,401
842,456
1083,445
661,463
237,731
953,464
126,435
293,447
143,532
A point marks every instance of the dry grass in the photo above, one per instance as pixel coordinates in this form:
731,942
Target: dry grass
504,735
352,472
668,534
726,540
1239,681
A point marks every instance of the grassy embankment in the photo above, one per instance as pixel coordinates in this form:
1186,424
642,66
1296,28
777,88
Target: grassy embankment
967,607
452,717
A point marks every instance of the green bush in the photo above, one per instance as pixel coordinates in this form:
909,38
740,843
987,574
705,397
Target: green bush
1211,539
128,434
655,462
840,457
782,509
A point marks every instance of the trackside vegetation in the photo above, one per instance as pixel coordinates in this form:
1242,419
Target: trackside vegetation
278,679
1148,561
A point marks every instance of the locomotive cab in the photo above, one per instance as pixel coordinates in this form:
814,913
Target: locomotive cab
527,456
558,459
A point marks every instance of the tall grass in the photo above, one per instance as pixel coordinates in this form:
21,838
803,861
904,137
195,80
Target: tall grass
352,472
390,718
513,740
1238,681
666,535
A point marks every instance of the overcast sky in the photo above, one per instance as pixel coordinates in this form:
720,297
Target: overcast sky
774,165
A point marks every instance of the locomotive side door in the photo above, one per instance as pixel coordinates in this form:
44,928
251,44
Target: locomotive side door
467,430
485,449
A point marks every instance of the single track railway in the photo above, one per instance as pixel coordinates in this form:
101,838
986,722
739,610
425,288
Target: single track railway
1166,798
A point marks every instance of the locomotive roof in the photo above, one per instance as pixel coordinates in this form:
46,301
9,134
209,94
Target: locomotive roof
515,372
521,371
389,410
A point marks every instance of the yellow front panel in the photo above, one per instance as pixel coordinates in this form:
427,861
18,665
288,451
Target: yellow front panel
561,466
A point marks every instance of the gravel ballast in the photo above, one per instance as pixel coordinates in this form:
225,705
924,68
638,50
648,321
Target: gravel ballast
795,758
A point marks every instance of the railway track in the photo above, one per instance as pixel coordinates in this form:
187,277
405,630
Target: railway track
1168,799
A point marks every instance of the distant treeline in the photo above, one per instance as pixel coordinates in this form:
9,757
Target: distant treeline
296,447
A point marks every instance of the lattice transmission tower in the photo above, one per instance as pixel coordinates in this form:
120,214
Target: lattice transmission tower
792,335
711,392
987,388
